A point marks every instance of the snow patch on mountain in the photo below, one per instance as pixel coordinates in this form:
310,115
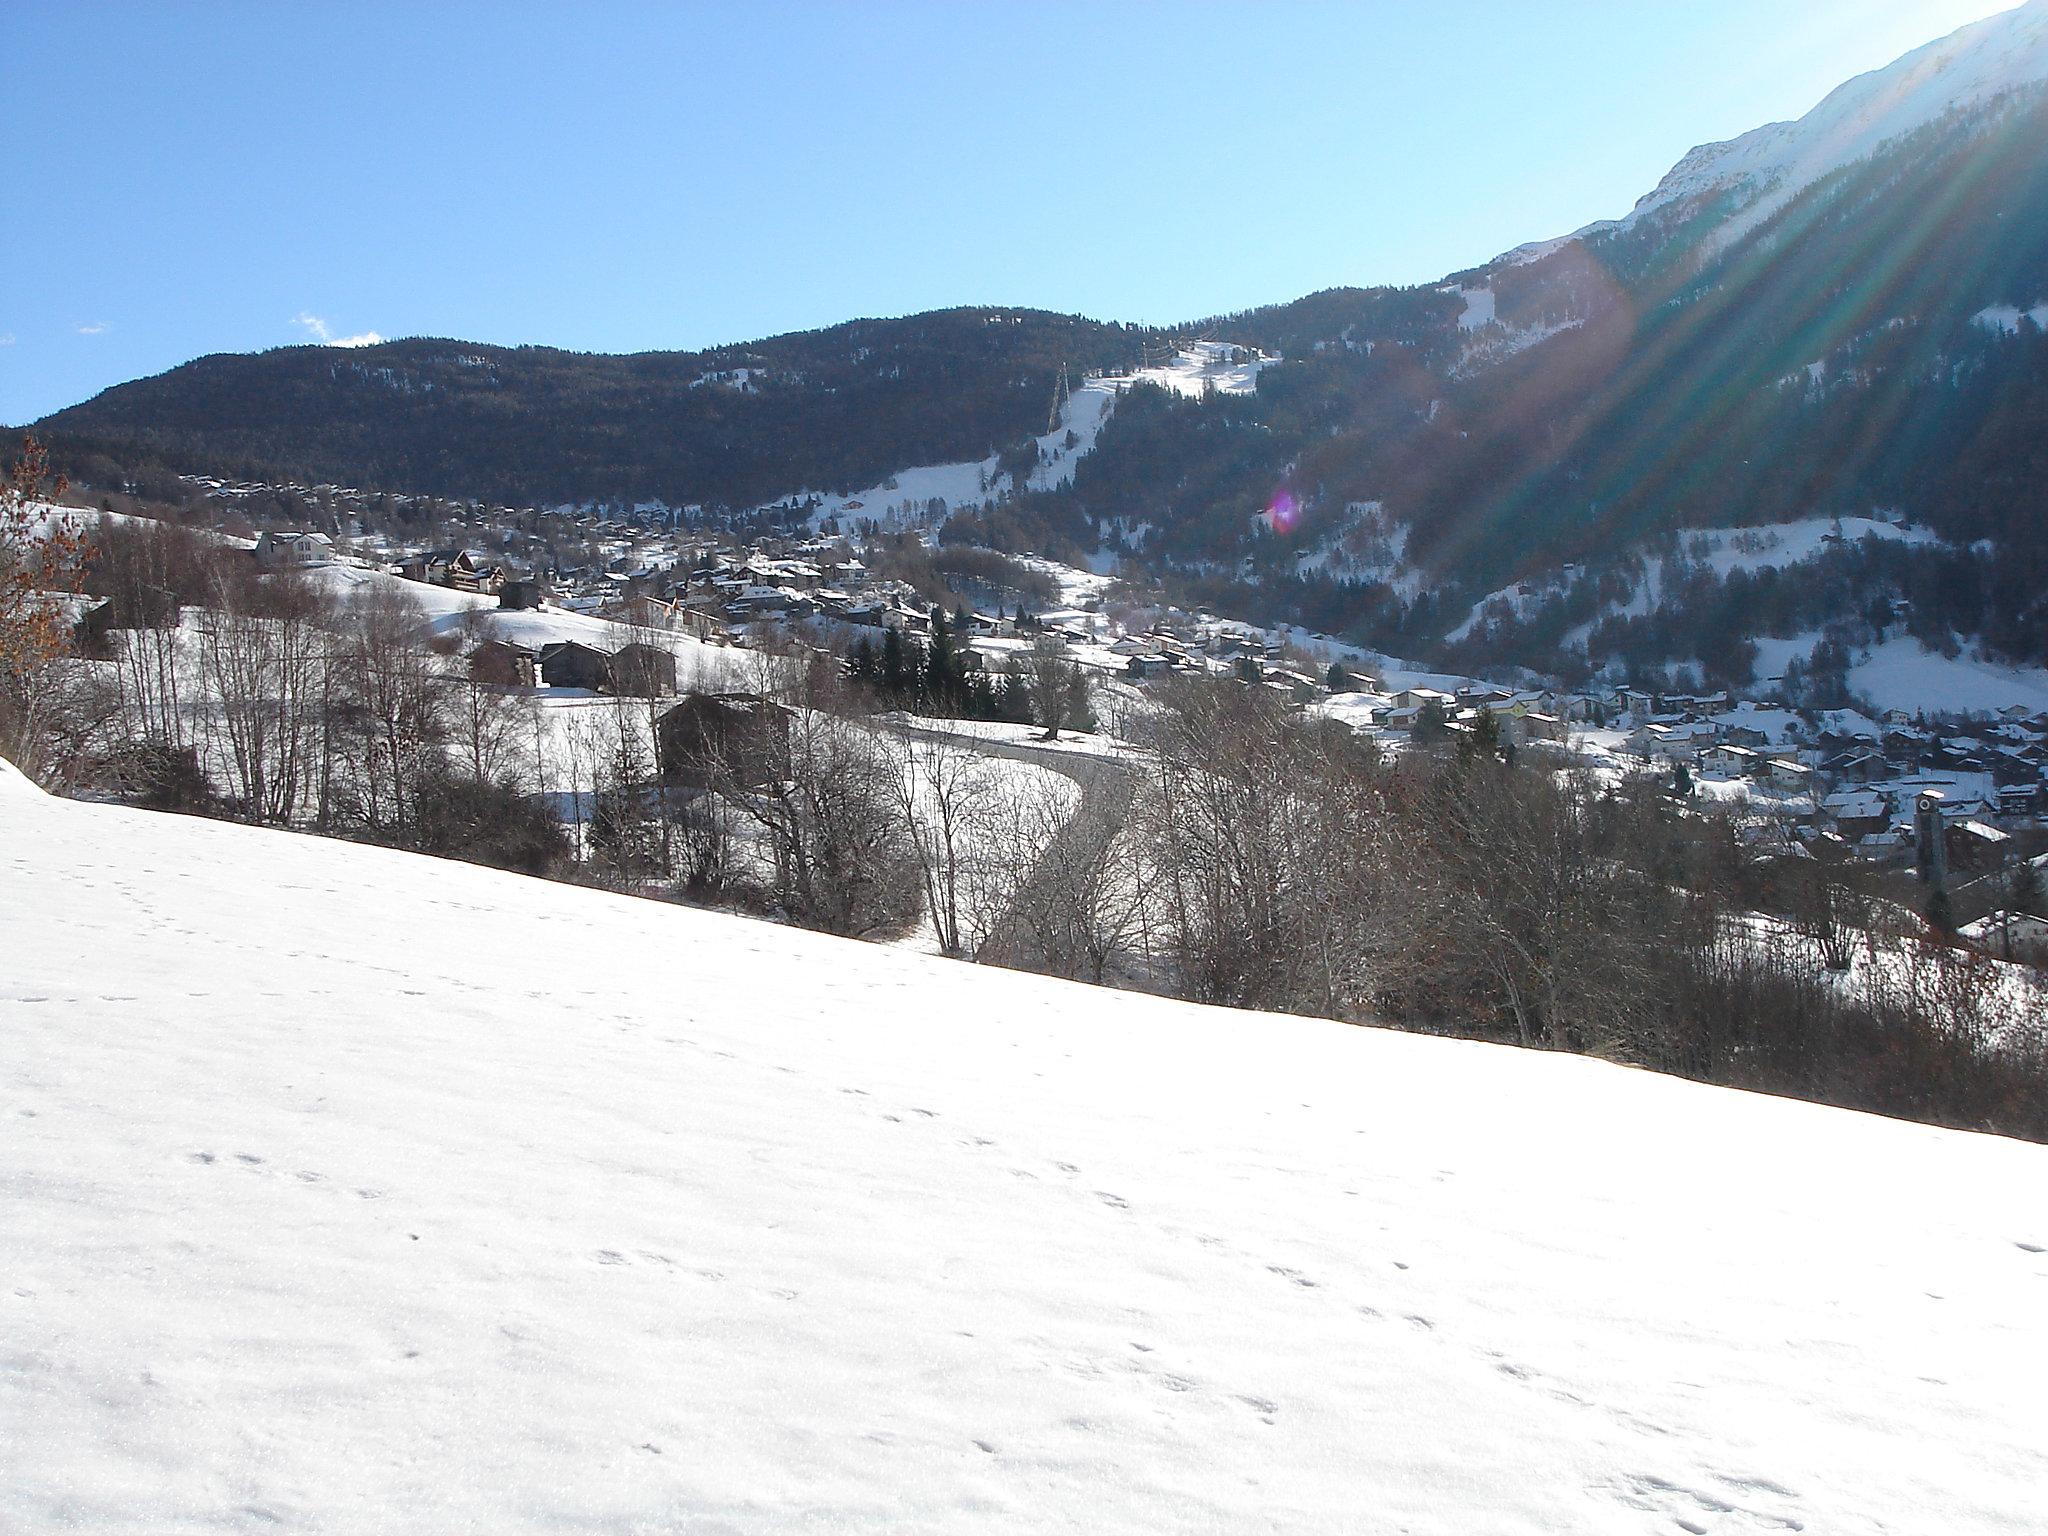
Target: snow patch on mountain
1480,308
1771,165
908,497
2007,318
1901,673
1197,368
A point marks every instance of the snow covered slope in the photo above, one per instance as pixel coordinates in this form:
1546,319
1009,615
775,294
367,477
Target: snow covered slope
904,497
345,1191
1769,166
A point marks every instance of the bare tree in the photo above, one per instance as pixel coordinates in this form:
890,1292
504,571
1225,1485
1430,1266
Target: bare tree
264,650
817,791
41,564
944,792
1081,901
389,706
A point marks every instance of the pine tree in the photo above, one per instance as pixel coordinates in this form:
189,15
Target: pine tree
1941,912
896,675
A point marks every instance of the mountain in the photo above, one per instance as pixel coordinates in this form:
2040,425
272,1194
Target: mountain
830,409
348,1189
1762,171
1837,317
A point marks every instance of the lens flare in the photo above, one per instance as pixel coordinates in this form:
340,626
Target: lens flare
1283,513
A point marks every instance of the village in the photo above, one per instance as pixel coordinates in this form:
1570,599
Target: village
1843,783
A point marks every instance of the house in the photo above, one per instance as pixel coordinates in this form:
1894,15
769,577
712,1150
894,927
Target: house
1680,741
1857,813
739,738
137,607
1787,774
1731,762
1416,698
522,592
293,551
502,664
1975,847
456,568
1534,726
571,664
693,619
642,671
2009,936
1298,684
2019,799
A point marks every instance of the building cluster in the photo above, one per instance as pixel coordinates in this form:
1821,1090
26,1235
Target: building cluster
1806,776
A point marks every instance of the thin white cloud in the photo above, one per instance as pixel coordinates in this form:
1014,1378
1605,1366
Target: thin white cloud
318,329
6,338
97,328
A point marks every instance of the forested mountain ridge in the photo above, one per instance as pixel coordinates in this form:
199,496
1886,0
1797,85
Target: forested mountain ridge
734,426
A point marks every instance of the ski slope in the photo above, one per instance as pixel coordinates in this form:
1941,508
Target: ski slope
905,498
347,1191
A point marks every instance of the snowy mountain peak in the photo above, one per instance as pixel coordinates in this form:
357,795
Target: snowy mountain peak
1968,69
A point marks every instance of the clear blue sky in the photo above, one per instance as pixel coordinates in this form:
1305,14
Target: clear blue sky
186,178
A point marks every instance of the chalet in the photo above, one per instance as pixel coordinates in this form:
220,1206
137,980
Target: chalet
2020,799
1857,814
502,664
138,607
1680,741
1787,774
642,671
1531,726
1856,765
1299,684
2008,935
1975,847
571,664
522,592
1731,762
736,738
456,568
288,551
1416,698
693,618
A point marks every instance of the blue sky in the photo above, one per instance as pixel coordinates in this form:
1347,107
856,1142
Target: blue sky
191,178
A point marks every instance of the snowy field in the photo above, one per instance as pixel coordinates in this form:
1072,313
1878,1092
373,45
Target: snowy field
341,1190
1903,674
448,610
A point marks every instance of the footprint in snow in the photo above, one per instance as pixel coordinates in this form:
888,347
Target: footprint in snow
1291,1274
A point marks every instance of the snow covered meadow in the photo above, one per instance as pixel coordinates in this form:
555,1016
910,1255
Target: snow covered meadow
342,1190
